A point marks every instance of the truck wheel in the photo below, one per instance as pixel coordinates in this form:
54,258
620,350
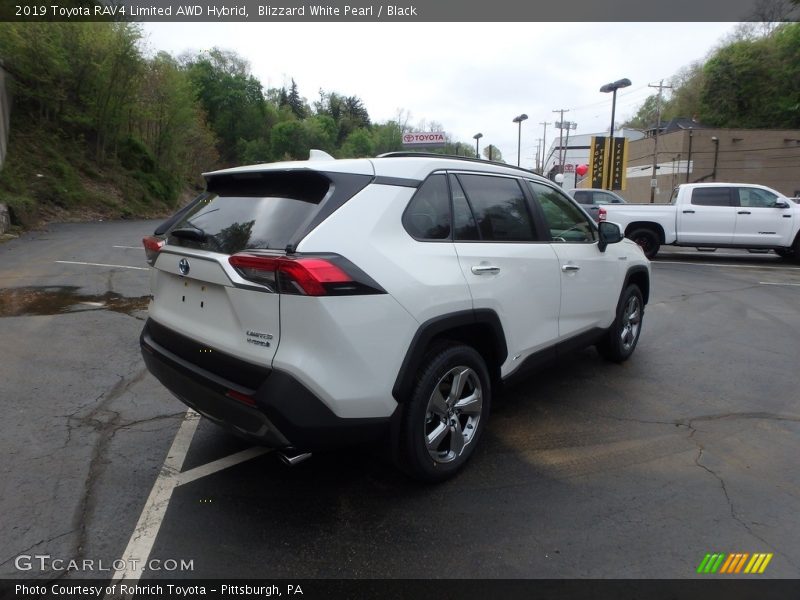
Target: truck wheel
647,240
446,414
620,340
784,252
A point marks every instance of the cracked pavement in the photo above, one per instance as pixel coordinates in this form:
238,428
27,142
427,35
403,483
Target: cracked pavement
588,469
86,427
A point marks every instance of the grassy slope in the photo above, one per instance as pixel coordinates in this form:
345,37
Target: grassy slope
49,176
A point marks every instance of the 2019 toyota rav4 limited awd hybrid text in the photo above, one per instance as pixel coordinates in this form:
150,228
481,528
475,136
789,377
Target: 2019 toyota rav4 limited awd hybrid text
312,304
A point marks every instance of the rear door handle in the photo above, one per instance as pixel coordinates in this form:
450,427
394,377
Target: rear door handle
568,268
481,269
743,212
687,212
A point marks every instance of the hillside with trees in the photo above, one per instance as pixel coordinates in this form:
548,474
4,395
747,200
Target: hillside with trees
99,128
750,81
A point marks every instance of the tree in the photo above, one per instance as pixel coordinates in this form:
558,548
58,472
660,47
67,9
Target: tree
646,116
492,153
320,132
295,102
288,141
358,144
232,99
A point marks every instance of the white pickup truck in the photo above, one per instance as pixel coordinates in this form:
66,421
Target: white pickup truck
712,215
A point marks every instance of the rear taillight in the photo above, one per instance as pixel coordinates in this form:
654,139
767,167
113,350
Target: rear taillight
601,214
305,276
152,246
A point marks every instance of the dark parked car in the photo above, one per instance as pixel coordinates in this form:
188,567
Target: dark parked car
592,198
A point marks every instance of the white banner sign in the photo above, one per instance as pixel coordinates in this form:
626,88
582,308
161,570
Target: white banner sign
424,138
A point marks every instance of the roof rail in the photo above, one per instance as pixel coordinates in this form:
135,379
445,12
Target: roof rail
407,154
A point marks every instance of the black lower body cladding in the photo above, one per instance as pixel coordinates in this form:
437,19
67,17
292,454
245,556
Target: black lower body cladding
285,412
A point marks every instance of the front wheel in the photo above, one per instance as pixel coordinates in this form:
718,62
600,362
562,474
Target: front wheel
648,241
446,414
620,341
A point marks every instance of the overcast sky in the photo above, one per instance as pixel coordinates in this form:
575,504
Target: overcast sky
470,77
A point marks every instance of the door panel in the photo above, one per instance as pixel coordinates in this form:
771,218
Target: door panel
758,222
710,217
589,286
522,284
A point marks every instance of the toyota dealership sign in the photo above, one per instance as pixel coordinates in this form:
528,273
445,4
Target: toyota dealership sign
428,139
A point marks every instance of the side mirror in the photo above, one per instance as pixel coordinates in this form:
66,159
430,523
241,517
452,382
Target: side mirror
609,234
781,204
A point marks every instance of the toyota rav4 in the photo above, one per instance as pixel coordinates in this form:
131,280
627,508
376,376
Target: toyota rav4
312,304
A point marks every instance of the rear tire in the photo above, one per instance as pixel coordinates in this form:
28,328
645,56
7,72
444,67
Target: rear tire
443,419
621,338
647,239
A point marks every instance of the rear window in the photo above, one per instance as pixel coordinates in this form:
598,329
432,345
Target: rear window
712,196
251,211
582,197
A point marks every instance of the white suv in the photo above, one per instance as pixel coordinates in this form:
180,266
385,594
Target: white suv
327,302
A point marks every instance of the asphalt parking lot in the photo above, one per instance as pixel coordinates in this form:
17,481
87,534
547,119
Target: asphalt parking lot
588,469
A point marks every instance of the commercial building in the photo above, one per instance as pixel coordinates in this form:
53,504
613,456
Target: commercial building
692,153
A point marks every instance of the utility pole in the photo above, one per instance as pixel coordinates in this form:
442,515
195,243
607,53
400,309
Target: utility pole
560,138
654,178
544,145
569,125
539,156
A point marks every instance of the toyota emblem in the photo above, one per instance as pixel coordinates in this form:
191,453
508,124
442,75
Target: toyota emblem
183,266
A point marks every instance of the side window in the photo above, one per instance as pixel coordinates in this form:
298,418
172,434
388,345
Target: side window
564,220
427,216
604,198
499,206
465,228
754,197
712,196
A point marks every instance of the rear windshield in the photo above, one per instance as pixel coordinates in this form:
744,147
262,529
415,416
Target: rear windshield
251,211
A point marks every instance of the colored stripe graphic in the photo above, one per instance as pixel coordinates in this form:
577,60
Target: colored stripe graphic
722,563
758,563
741,562
701,568
718,563
726,567
765,563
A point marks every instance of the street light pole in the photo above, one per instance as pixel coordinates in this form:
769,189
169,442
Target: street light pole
477,138
518,120
612,87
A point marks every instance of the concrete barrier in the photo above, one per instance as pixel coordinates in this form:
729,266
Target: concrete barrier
5,112
5,219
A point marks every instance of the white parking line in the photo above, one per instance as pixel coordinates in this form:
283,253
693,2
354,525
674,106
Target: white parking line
697,264
220,464
144,534
89,264
129,247
778,283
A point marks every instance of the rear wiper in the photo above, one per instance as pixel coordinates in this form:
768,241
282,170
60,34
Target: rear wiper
186,233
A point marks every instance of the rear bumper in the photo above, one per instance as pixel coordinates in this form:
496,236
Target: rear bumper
285,413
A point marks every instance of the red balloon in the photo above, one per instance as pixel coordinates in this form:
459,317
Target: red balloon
581,170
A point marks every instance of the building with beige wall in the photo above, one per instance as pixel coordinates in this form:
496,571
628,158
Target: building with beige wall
768,157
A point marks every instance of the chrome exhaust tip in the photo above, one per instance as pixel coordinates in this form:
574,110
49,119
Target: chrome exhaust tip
290,458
